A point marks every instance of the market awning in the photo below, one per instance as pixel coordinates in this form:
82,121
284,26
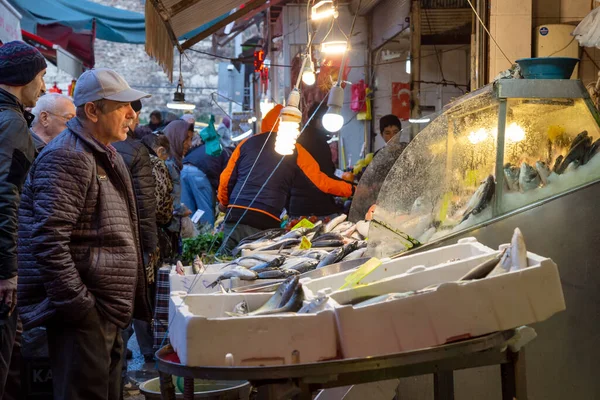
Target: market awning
168,20
112,24
57,55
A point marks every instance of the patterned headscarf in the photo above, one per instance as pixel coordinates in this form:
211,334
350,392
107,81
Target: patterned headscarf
177,133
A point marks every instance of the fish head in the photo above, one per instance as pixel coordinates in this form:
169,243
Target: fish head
528,172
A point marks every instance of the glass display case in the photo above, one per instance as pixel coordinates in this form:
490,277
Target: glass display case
503,147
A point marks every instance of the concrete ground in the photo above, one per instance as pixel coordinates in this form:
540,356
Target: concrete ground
137,371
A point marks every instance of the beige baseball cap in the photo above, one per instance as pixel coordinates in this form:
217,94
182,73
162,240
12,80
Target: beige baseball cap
104,83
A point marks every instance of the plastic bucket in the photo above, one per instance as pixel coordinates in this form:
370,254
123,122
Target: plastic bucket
547,67
203,389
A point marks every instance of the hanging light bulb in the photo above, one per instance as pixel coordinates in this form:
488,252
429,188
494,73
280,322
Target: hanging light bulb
179,102
323,9
265,105
289,125
333,119
408,65
308,74
334,47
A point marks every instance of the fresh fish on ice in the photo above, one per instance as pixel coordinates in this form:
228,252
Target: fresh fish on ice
282,296
511,176
481,198
348,232
356,254
577,153
515,257
557,163
304,266
543,170
252,245
197,266
334,222
328,243
348,248
328,236
268,234
529,178
235,272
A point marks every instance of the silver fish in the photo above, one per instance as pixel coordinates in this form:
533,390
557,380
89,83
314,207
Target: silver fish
328,243
252,245
316,254
282,295
593,150
292,305
285,243
197,266
295,234
241,308
543,170
277,273
529,178
334,222
356,254
333,257
237,272
577,153
275,263
515,257
328,236
343,227
305,266
316,305
481,198
484,269
511,175
266,234
557,163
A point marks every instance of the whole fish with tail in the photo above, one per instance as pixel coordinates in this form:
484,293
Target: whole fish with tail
235,272
274,263
280,298
333,257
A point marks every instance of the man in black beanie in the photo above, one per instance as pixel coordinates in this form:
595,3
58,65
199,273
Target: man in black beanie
22,68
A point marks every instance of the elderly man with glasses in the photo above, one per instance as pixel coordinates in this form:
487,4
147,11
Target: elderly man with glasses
52,112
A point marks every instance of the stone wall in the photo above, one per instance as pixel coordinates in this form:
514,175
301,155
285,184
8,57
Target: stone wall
200,72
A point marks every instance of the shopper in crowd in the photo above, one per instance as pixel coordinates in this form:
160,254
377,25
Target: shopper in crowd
239,185
179,134
22,68
389,126
305,198
200,180
224,131
141,131
156,121
137,160
79,246
159,148
189,118
52,112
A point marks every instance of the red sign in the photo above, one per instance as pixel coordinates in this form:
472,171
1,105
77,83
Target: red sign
401,100
259,60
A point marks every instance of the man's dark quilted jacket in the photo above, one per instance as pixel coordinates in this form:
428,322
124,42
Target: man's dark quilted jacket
79,236
137,159
16,155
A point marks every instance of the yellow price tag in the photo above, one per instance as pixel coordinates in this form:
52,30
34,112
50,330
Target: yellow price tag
304,224
305,244
354,278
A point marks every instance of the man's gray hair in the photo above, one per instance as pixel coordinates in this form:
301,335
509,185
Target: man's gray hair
48,103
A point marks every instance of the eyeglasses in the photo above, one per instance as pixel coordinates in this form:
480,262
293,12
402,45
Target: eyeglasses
67,117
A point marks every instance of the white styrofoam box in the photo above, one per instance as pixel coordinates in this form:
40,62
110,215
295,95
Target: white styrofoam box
193,284
453,311
465,249
202,334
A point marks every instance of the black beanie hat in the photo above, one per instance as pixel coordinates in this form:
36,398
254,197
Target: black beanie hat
389,120
20,63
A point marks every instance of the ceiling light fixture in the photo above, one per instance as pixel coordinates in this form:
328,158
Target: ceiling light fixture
179,102
323,9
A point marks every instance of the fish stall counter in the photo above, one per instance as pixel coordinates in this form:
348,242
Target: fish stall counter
499,149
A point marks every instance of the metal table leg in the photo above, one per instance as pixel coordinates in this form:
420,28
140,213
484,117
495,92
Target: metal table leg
443,385
188,388
514,378
167,389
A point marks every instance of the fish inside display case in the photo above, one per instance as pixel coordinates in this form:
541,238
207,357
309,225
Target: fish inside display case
446,181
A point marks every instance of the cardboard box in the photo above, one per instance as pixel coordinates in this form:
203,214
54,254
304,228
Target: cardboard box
202,334
453,311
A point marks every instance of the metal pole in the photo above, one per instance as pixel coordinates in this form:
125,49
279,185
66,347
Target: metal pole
230,91
500,158
415,65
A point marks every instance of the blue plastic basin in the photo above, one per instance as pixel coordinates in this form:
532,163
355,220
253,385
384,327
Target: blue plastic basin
547,67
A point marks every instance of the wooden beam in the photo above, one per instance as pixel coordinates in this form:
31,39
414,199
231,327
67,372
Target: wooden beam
236,15
161,10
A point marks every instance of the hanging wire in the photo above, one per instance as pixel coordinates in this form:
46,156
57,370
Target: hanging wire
437,55
488,32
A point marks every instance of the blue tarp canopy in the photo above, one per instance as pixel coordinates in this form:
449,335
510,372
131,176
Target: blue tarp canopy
112,24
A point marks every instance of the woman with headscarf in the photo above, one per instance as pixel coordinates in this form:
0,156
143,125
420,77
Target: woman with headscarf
179,133
224,131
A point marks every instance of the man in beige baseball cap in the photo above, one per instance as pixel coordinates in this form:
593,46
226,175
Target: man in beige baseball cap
80,269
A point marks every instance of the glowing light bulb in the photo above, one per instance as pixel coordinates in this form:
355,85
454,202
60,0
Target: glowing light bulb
333,120
515,133
289,125
408,65
478,136
334,47
265,106
323,9
309,78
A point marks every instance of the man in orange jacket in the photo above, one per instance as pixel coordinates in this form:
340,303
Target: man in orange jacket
239,186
